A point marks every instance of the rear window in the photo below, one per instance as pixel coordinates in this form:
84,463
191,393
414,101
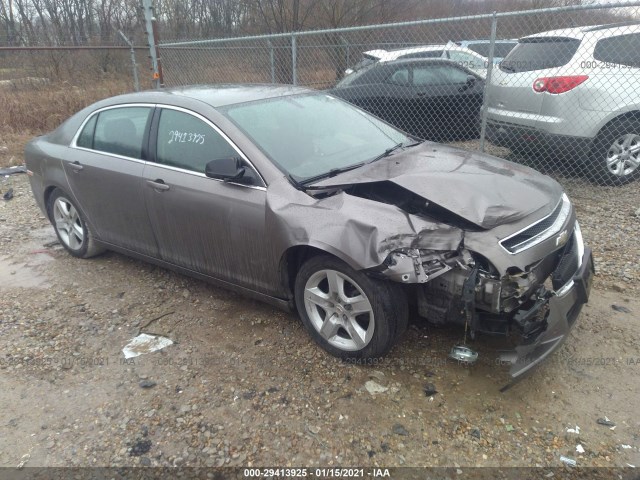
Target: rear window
500,50
540,53
621,50
428,54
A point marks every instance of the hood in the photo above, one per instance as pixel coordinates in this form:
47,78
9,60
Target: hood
484,190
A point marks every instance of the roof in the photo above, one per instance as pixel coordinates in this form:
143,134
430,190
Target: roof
213,95
597,30
222,95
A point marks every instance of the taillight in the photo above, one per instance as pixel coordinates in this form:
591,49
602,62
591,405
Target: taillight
558,85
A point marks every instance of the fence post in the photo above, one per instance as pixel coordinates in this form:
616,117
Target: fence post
294,60
273,62
348,48
134,65
152,37
485,97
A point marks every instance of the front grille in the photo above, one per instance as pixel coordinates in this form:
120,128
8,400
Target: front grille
513,244
568,264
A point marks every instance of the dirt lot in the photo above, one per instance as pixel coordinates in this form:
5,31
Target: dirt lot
244,385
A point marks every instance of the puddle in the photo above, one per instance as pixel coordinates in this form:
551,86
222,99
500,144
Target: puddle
23,275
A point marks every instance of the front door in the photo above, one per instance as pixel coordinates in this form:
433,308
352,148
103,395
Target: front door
206,225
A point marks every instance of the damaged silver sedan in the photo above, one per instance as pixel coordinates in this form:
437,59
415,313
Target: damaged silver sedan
302,200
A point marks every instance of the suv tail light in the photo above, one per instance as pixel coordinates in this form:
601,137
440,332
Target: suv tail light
556,85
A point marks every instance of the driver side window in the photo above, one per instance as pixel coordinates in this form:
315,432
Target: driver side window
185,141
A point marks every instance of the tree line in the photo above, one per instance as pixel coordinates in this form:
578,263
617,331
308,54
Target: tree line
96,22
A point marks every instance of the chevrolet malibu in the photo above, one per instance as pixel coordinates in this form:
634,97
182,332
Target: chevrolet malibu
302,200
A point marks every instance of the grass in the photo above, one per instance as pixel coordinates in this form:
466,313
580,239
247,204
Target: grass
32,111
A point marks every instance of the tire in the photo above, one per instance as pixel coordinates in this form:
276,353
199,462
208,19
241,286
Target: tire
71,227
621,141
332,321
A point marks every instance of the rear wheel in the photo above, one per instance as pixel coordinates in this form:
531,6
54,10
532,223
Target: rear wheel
615,157
71,227
348,313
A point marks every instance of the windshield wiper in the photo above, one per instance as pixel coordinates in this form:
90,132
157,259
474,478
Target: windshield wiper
331,173
389,151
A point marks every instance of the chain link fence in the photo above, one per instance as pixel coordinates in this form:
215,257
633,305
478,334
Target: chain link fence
557,89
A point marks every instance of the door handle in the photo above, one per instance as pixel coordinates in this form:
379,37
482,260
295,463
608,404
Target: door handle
158,185
76,166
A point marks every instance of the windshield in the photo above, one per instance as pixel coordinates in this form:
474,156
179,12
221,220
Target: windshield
309,135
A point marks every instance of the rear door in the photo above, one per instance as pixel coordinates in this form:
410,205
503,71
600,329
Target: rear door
206,225
511,88
106,176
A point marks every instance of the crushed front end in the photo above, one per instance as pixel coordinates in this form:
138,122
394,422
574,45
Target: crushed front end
530,284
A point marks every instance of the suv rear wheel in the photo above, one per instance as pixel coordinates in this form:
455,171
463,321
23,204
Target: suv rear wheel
615,157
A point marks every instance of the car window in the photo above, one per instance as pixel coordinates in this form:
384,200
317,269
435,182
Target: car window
438,75
500,50
185,141
399,77
540,53
621,50
121,131
85,139
465,59
428,54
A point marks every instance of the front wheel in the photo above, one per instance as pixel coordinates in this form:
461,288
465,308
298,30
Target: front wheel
348,313
615,158
71,228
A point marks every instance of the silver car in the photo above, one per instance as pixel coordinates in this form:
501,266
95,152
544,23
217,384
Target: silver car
302,200
574,93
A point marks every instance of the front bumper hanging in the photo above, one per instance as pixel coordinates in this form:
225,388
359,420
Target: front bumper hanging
564,306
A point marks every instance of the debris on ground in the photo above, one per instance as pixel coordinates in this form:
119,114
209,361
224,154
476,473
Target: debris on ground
400,430
568,461
579,448
13,170
140,447
8,195
144,343
574,430
374,387
606,422
620,308
430,389
147,383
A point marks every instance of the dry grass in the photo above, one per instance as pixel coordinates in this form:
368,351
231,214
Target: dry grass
32,111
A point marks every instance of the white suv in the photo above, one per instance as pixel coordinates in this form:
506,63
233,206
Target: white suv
576,93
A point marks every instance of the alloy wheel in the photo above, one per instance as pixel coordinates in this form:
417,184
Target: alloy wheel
623,157
68,223
339,310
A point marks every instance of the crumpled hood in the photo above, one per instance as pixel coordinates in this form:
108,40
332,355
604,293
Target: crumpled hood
482,189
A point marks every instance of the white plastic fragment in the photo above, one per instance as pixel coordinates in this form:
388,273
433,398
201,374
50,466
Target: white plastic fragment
574,430
625,446
579,448
144,343
568,461
374,387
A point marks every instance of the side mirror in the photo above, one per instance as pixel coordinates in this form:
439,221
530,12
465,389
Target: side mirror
229,169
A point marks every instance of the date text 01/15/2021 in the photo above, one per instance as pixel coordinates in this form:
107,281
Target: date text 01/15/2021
315,472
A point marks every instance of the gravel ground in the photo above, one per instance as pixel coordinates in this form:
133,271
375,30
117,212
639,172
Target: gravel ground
244,385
